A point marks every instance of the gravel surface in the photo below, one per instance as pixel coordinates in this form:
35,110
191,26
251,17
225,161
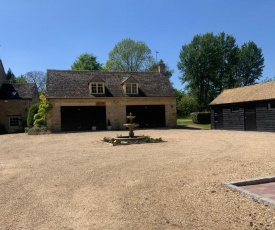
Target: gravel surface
76,181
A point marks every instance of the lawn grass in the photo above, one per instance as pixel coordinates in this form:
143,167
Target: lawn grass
188,121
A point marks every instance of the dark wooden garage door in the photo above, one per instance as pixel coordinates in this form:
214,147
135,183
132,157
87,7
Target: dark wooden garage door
148,116
74,118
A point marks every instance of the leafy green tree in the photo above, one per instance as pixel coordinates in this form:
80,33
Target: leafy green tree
251,64
198,64
129,55
212,63
86,62
179,95
21,79
187,105
10,77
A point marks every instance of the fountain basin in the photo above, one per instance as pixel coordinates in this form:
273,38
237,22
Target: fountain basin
132,140
131,125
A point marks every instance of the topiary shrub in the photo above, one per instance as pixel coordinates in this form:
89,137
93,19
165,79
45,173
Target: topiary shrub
201,117
32,111
40,116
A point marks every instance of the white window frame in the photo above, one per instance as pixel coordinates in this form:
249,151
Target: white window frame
97,88
131,88
14,123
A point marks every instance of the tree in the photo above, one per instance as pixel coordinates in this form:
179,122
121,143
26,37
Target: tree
212,63
251,64
268,79
37,77
10,77
168,72
199,62
129,55
21,79
86,62
187,105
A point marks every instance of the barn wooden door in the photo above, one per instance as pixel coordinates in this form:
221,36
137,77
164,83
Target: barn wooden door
218,118
250,118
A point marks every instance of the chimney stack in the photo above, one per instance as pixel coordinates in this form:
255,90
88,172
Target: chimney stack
161,67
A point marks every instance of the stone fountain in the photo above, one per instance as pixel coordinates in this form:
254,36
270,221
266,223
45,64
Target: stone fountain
130,125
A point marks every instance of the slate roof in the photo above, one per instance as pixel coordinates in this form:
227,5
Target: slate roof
17,91
75,84
2,74
258,92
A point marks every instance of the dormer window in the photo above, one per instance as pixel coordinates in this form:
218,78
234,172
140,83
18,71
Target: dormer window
130,85
97,85
97,88
131,88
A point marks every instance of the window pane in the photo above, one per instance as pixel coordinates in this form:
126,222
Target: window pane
93,88
128,88
14,121
100,88
134,88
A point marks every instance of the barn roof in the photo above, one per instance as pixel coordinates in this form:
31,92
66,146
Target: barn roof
18,91
258,92
74,84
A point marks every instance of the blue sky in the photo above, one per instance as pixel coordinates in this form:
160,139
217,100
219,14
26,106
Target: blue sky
40,35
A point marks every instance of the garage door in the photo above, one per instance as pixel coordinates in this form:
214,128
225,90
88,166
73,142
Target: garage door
78,118
148,116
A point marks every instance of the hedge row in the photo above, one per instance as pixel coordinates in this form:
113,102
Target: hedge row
201,117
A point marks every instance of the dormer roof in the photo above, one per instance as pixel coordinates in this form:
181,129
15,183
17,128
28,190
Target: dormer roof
129,79
96,79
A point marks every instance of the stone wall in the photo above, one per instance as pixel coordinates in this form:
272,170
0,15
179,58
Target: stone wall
115,109
12,108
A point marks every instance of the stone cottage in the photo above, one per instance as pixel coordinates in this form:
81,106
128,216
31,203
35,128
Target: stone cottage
15,101
82,99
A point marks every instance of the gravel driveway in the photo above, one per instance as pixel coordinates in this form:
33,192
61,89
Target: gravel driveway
76,181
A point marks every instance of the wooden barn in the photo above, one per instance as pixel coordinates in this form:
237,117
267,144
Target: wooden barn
249,108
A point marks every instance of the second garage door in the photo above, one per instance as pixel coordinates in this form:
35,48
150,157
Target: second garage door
148,116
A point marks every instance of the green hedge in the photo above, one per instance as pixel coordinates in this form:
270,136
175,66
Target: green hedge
201,117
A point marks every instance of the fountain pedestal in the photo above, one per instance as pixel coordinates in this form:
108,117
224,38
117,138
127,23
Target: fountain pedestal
131,125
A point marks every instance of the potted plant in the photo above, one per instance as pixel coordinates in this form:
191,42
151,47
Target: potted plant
94,126
109,127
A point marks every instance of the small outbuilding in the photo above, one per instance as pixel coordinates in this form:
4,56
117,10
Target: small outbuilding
249,108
